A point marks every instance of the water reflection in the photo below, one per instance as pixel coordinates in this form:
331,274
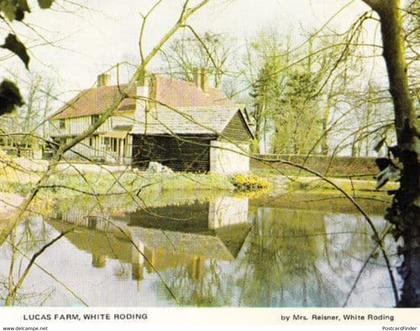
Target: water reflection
164,237
209,252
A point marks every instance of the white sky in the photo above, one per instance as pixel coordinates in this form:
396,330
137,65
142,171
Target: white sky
90,41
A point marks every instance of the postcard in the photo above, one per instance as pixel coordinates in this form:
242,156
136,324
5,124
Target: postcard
204,163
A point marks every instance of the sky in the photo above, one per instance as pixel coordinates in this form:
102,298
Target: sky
88,41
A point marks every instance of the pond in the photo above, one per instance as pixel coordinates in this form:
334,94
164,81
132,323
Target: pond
200,250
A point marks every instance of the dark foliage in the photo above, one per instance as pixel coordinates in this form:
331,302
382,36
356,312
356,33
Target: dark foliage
9,97
13,44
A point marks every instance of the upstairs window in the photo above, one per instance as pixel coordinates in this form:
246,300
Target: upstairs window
62,124
94,119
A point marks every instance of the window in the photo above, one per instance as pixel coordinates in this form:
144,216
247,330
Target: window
94,119
114,144
91,141
62,124
111,144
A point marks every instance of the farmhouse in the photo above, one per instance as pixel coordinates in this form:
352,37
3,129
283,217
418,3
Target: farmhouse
187,126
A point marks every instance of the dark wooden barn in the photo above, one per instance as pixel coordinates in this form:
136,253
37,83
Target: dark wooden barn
196,146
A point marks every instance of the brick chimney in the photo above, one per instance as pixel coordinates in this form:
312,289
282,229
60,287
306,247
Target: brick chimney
103,80
201,78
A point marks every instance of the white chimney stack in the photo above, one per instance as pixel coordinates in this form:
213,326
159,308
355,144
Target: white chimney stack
142,94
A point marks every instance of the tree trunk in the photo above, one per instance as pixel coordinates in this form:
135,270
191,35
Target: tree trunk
325,120
404,212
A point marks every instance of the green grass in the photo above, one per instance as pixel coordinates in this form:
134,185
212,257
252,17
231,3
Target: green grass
360,187
292,171
15,187
106,183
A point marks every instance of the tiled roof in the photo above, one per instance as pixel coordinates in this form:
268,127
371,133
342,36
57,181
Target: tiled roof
95,101
172,92
179,93
199,120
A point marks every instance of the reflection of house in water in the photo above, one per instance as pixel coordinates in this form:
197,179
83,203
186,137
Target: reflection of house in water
165,237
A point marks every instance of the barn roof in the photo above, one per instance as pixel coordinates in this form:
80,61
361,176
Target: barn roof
198,120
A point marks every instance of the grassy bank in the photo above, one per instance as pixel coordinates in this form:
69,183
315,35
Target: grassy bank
339,166
353,187
108,183
117,183
19,176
